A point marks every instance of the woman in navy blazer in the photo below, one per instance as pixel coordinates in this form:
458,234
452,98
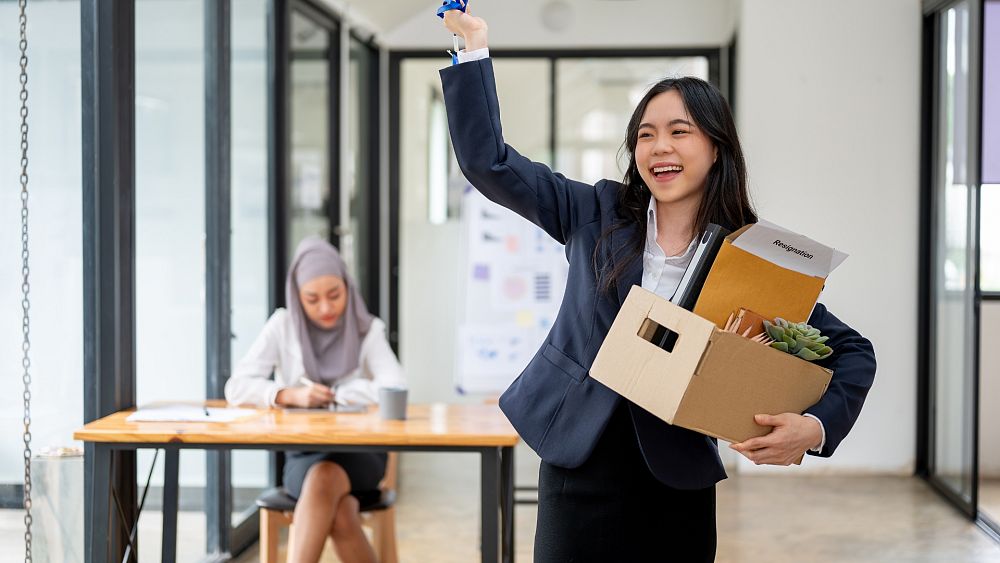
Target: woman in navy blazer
616,483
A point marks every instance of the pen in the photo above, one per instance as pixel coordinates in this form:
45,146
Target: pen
309,383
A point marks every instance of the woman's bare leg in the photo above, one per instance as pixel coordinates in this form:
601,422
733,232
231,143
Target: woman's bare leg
325,485
348,537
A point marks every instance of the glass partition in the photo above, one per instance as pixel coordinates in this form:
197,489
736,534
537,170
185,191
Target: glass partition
953,291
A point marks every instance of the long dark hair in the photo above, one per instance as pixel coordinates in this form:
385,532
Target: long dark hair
725,200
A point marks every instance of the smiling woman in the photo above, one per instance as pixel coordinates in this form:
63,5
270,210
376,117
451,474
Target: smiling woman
675,139
604,460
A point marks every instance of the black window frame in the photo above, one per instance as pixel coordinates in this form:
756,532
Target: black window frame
109,261
107,37
926,411
371,154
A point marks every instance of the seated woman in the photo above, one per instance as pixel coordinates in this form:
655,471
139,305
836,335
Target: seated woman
325,337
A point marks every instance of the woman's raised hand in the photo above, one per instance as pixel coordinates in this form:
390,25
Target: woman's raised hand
471,28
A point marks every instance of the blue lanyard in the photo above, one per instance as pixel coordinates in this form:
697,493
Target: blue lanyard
452,5
447,6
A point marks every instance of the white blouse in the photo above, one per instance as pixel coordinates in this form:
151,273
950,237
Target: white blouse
661,273
277,350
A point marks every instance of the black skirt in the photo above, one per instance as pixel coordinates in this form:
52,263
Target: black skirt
612,508
364,469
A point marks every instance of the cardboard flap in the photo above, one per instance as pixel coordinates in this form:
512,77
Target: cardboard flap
627,352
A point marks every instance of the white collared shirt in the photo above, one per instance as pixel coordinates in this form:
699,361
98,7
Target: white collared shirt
662,273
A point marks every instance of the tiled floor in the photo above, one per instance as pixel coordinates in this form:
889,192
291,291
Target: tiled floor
761,519
989,498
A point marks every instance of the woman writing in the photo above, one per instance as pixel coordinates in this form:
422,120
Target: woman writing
324,348
616,483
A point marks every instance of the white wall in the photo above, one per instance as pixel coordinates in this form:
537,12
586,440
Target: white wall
428,270
828,109
518,24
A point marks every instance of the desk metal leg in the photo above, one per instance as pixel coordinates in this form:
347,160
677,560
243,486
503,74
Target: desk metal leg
97,500
171,462
489,504
507,504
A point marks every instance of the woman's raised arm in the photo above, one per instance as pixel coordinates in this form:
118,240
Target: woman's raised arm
551,201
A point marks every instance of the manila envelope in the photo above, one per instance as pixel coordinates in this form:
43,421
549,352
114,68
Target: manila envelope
742,278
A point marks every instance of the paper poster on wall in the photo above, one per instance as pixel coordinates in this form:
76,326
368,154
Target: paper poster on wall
514,275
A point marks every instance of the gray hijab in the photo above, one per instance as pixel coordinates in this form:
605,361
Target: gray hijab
327,355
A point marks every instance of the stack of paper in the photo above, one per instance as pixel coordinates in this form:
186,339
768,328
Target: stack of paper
181,412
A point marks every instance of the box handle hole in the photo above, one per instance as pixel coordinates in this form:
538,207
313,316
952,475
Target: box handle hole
658,335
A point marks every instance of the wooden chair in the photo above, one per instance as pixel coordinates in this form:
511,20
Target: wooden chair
377,512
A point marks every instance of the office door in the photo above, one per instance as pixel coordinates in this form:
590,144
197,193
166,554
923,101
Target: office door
952,299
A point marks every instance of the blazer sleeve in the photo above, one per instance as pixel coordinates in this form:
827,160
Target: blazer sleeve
556,204
853,365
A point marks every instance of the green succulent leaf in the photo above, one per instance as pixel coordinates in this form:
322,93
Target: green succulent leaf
798,339
813,345
774,332
807,354
806,343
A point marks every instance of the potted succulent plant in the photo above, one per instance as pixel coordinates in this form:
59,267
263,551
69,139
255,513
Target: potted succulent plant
798,339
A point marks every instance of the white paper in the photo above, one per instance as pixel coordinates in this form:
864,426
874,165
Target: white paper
187,413
789,250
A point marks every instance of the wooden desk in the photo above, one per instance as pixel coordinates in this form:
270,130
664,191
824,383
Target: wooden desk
438,427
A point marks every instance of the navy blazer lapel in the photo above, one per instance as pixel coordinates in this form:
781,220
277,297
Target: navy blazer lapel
621,239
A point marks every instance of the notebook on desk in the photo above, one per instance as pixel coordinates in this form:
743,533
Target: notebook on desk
187,412
332,407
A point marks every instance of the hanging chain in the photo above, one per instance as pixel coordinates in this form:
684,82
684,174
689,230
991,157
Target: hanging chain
25,286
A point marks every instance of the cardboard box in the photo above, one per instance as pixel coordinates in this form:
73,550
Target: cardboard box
697,376
769,270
